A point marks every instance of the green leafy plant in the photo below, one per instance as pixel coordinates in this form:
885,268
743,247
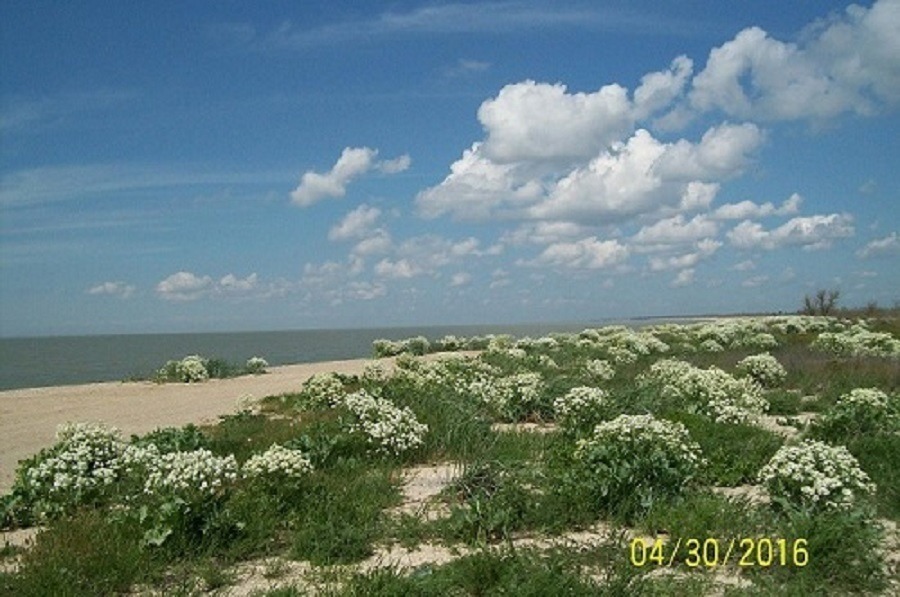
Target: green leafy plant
634,461
863,411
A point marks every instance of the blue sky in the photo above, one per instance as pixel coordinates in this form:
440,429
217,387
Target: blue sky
202,166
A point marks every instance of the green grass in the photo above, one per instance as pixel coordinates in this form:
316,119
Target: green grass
843,556
734,453
341,515
880,458
85,554
486,573
244,433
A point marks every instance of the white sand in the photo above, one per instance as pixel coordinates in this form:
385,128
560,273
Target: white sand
29,417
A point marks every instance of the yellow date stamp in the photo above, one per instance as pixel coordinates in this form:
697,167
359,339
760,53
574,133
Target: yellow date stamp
747,552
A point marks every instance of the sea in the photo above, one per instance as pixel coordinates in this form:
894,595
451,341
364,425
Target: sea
66,360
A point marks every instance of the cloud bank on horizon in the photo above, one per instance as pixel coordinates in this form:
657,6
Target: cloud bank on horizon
673,196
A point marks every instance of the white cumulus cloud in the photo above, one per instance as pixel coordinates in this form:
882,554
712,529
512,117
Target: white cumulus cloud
587,253
187,286
748,209
353,162
531,121
812,232
118,289
460,279
356,224
847,63
184,286
676,230
684,278
889,245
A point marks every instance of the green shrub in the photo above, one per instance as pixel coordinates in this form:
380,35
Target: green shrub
863,411
634,461
173,439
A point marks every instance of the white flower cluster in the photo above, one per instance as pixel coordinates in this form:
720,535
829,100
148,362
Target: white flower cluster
815,475
510,394
390,429
869,398
278,461
865,410
619,344
621,355
387,348
719,334
192,368
256,365
710,345
323,389
712,391
644,430
85,457
762,340
578,405
450,371
800,324
512,353
375,372
136,459
499,342
546,343
199,472
547,362
764,368
451,342
418,345
600,369
858,341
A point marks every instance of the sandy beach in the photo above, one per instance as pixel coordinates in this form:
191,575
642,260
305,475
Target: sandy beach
29,417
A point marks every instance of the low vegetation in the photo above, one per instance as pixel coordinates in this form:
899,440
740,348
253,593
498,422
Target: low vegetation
722,457
194,369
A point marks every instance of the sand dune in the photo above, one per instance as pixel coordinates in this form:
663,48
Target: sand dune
28,417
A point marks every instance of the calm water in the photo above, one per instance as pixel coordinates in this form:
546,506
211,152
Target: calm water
51,361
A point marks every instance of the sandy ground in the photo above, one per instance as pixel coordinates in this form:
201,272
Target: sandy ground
29,417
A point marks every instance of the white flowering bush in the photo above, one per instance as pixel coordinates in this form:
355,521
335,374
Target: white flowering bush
278,463
451,342
581,408
635,460
814,476
712,392
192,475
547,362
256,365
191,369
387,348
184,493
710,345
388,428
512,397
375,372
75,471
858,341
763,368
600,369
762,340
322,390
862,411
621,355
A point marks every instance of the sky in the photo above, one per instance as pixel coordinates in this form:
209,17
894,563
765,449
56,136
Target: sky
222,166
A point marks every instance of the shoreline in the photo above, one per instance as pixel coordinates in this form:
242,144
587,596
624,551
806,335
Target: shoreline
29,416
